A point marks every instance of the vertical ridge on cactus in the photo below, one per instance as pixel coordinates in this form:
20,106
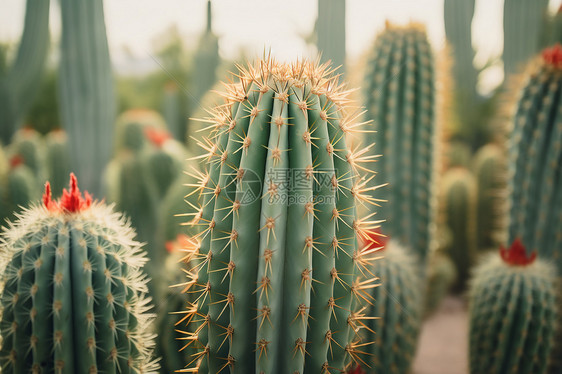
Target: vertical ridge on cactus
277,278
73,294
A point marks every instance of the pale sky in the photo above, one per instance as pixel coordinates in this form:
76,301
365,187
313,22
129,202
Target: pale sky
255,25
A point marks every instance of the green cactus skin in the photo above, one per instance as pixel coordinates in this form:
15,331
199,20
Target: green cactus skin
21,189
458,16
442,274
490,169
87,99
398,311
512,313
255,309
400,97
57,159
459,196
172,110
74,294
535,170
20,84
330,32
522,26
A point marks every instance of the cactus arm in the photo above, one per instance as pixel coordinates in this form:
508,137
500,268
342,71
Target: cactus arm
221,240
298,258
323,257
246,222
18,87
87,102
273,223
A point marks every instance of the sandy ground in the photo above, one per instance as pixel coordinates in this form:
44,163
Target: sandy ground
443,345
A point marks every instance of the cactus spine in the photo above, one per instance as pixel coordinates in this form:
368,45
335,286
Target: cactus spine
522,27
73,297
512,313
535,170
19,85
330,31
400,97
87,102
398,306
278,210
459,196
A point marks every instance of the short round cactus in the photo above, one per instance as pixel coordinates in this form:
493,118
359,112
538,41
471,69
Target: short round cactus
73,291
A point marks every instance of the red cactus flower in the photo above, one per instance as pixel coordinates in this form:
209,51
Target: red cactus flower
356,370
553,56
516,254
16,161
71,201
156,136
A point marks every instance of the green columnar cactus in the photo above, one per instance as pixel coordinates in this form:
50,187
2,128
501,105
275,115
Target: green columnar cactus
21,81
172,111
396,315
206,62
20,188
490,170
87,104
522,26
459,210
330,31
512,313
400,98
458,16
278,267
535,170
442,275
74,294
57,158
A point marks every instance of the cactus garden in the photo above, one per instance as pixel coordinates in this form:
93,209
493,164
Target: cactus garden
281,187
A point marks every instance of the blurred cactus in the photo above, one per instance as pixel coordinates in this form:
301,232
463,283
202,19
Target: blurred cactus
28,145
458,154
20,188
523,21
400,99
87,100
512,313
442,275
271,215
57,159
330,32
131,127
459,209
19,83
458,29
489,167
172,111
74,294
395,317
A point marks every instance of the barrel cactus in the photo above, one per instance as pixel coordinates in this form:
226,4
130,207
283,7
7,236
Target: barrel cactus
400,99
73,291
512,313
278,278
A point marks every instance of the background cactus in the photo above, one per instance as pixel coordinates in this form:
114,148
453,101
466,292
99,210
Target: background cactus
278,209
489,168
73,297
28,145
330,32
396,315
400,99
512,313
57,164
441,277
459,215
523,22
21,81
86,90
